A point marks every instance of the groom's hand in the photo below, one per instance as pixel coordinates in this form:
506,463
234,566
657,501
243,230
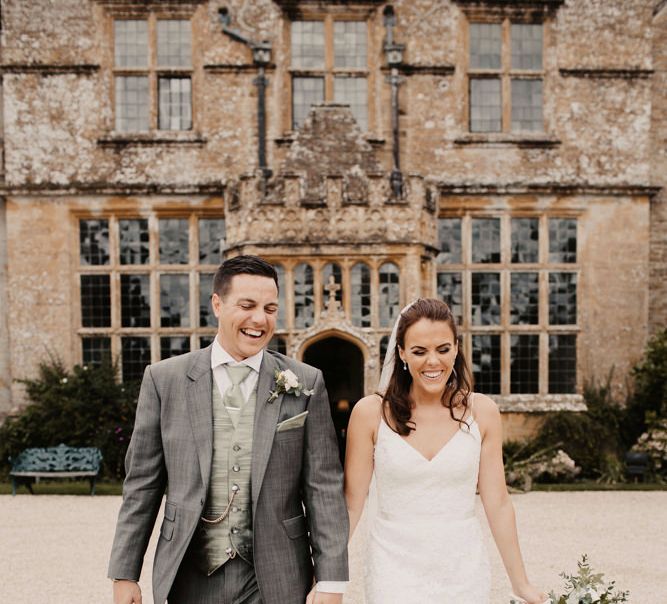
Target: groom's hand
126,592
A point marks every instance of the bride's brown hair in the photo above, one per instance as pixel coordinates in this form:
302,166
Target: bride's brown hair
397,396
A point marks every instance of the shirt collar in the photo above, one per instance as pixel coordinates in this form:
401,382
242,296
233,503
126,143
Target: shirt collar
219,356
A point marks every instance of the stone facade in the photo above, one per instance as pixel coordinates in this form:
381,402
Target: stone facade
328,194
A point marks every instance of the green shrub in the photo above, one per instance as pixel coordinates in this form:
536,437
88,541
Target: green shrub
649,395
83,407
591,438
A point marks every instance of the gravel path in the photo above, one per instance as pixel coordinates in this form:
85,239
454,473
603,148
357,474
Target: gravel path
54,549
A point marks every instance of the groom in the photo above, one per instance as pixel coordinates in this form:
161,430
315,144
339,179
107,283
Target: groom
241,440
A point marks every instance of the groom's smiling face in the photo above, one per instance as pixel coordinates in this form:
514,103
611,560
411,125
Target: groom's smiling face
246,315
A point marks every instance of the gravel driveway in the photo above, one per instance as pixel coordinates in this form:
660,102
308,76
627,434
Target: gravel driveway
54,549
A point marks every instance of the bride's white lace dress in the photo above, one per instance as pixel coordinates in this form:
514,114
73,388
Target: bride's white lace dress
425,543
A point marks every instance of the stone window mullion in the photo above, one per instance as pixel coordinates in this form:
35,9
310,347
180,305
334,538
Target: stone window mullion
506,83
328,58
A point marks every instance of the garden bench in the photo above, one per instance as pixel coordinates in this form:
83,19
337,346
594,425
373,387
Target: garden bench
56,462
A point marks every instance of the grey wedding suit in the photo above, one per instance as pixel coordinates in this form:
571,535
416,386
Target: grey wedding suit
171,449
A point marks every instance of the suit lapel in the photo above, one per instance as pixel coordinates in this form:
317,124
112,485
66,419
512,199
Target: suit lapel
266,418
198,396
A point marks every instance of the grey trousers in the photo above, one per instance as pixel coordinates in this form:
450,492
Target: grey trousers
233,583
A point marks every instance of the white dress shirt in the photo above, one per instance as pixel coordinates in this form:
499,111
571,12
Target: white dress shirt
219,358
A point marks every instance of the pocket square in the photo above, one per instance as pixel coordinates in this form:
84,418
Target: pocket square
292,422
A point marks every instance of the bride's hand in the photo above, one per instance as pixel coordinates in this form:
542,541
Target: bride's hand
532,595
310,598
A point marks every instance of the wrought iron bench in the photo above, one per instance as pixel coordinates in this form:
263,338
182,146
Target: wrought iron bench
55,462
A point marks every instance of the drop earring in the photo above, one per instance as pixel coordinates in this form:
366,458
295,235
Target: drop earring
405,366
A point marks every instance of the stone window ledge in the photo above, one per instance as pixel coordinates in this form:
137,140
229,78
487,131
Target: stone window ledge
504,139
124,139
539,403
289,137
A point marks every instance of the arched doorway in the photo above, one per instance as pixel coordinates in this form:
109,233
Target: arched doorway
342,364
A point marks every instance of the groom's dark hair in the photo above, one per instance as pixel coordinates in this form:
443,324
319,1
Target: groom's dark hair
241,265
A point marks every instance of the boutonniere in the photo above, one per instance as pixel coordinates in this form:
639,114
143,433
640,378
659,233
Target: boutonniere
288,383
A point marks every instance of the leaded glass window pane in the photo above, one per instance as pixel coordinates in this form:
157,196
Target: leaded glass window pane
136,355
354,92
96,350
206,316
486,363
211,240
173,43
524,364
350,41
173,346
526,46
95,301
384,344
449,240
360,278
563,240
525,240
135,305
527,105
332,270
485,45
175,110
485,240
278,344
524,292
308,44
174,301
205,341
130,43
132,104
305,93
281,322
450,291
94,242
562,298
133,236
304,300
390,294
562,364
174,240
485,105
486,298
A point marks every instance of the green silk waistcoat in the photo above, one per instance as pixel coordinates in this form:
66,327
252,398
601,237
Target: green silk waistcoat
214,544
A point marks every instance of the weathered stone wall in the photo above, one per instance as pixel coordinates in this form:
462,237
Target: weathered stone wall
42,276
612,294
599,127
597,121
596,156
658,257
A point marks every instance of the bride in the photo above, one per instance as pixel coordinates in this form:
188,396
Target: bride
431,442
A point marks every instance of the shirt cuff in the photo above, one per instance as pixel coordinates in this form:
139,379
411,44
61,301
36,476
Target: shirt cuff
331,587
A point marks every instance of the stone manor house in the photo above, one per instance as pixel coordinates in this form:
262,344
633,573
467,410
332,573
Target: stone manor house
507,156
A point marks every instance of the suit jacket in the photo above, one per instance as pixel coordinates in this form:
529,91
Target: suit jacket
293,471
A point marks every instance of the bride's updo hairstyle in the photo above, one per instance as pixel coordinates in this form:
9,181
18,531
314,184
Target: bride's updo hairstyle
397,396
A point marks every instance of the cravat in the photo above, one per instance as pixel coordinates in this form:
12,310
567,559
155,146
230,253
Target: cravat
233,396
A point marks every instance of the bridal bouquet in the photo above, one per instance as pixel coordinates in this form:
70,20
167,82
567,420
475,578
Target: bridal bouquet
586,587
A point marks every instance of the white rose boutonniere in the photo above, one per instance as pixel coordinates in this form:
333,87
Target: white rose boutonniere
288,383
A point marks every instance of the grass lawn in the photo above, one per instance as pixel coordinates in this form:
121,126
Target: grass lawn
63,486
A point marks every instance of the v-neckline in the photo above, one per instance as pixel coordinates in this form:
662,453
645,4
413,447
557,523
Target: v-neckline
418,452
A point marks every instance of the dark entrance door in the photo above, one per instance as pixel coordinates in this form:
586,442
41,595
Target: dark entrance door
342,364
